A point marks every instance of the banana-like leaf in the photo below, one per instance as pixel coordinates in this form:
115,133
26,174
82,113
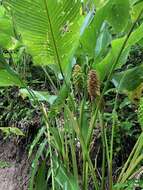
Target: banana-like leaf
136,9
40,95
129,80
116,12
50,28
105,65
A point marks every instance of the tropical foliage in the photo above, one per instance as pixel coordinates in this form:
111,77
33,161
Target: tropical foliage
83,49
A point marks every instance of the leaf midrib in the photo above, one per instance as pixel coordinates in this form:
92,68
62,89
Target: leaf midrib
53,37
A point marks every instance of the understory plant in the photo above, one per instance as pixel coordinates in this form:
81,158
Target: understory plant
85,45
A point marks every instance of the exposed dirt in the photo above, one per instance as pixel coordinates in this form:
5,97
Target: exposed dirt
13,166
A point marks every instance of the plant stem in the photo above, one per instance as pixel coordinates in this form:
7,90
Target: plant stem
111,159
85,151
85,174
130,158
73,153
103,151
130,170
50,148
49,78
66,152
114,114
92,169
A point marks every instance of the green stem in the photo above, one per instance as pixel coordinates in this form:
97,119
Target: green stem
66,151
73,153
114,114
129,158
130,170
111,160
50,148
103,151
85,174
84,147
92,169
49,78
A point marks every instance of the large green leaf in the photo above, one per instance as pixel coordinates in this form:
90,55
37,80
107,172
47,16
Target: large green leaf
50,28
6,30
105,65
92,30
116,12
136,9
99,3
40,95
129,80
103,41
134,2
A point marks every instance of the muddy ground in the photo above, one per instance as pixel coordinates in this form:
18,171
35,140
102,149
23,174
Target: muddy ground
14,165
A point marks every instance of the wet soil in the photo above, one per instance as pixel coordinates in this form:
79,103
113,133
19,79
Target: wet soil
14,166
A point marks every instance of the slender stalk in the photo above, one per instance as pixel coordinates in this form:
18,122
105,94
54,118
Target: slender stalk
107,149
92,169
138,151
84,147
49,78
85,163
87,157
129,158
114,114
85,174
103,151
130,170
73,153
111,157
66,151
50,148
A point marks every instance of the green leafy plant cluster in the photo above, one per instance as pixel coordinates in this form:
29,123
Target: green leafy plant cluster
58,36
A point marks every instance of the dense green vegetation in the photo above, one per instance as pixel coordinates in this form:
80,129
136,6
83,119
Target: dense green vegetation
73,70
